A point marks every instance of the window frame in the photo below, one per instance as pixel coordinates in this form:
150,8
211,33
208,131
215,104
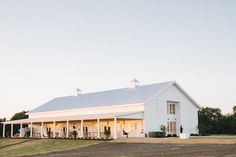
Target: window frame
171,107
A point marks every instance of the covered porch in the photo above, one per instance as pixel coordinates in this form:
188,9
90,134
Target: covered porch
84,126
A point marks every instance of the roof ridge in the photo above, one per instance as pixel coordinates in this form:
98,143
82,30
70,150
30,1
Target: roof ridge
109,90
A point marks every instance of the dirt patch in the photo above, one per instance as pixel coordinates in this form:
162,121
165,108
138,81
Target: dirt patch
109,149
193,140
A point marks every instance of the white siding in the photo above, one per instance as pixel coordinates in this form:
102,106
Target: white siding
96,110
155,111
151,116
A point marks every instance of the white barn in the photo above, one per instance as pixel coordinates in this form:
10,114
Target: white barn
136,110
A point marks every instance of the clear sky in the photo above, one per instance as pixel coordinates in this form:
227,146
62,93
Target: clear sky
48,48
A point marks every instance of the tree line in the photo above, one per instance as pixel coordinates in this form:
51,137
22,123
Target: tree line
212,121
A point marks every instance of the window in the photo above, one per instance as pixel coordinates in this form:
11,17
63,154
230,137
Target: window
85,129
64,129
171,108
48,129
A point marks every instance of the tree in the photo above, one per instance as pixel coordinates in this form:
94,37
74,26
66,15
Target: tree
234,109
210,120
17,116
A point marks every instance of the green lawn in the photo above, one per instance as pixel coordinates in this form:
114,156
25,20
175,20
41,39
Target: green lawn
41,146
5,142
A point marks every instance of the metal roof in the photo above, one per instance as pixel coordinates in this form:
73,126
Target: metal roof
122,96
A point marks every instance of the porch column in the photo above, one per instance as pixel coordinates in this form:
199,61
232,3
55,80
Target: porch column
143,127
41,130
115,132
81,129
3,130
21,128
31,130
54,129
11,129
67,128
98,128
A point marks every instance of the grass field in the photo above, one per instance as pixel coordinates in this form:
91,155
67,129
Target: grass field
23,147
6,142
39,146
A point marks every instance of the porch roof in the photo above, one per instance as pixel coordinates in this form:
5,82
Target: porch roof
123,115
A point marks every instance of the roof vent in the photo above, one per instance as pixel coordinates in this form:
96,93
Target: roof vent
133,83
77,92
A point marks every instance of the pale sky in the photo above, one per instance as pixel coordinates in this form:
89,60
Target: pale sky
48,48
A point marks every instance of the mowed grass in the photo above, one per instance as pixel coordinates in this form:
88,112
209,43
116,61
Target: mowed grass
41,146
6,142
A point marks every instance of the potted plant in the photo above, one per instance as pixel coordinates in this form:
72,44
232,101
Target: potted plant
74,134
163,129
49,133
57,134
107,133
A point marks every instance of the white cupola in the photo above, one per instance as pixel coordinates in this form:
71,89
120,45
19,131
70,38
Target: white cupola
78,92
133,83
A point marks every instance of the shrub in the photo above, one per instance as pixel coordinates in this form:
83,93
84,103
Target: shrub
57,134
174,135
27,132
163,128
49,133
169,135
74,134
205,134
156,134
107,133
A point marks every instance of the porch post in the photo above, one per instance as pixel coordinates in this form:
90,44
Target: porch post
54,129
67,128
143,127
3,130
11,129
21,127
98,128
31,130
115,132
81,129
41,130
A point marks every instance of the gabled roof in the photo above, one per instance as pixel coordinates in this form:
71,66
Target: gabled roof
123,96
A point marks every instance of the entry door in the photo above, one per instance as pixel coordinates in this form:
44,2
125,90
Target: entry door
171,127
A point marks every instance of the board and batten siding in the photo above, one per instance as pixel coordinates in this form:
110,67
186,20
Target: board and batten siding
155,111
